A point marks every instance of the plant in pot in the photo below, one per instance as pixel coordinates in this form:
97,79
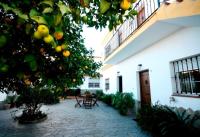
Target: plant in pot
10,101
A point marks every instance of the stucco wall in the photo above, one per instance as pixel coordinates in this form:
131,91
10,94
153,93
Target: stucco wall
2,96
84,86
157,58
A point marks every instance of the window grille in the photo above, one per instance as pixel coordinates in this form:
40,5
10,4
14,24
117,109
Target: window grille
107,84
93,85
187,76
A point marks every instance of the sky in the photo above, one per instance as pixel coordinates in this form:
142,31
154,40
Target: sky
93,38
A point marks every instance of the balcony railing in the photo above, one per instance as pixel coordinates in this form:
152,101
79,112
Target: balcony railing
145,9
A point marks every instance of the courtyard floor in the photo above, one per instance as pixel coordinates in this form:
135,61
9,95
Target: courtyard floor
64,120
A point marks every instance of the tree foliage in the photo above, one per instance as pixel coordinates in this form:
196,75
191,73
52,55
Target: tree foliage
41,42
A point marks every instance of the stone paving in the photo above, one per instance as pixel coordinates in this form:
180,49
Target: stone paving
64,120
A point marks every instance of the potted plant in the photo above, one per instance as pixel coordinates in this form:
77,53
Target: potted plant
10,101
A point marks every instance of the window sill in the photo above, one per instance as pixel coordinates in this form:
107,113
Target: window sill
182,95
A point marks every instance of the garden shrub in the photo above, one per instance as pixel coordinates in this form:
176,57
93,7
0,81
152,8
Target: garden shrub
107,98
87,92
46,96
51,97
120,101
99,94
164,121
70,92
116,100
123,102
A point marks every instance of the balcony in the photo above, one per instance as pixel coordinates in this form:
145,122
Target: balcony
145,9
154,22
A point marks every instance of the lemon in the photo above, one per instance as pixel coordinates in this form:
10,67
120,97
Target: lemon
37,35
48,39
58,48
66,53
64,46
125,4
43,30
58,35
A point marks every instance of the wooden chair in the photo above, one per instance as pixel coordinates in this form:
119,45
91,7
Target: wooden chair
94,99
87,101
78,97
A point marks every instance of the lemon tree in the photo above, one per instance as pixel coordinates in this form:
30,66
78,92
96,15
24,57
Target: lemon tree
41,43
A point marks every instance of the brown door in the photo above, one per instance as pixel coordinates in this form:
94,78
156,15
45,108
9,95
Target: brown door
145,88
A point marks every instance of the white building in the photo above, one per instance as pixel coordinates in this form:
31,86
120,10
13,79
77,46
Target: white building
91,84
157,55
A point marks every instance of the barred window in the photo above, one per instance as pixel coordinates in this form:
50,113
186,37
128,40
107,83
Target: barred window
186,77
107,84
93,85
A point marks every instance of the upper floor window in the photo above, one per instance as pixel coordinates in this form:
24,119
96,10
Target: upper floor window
120,37
186,77
107,84
141,16
107,50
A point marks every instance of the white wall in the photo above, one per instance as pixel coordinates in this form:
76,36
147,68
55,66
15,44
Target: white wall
2,96
84,86
157,59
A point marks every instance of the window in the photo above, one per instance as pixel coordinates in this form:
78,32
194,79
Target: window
107,50
186,77
120,37
141,16
107,85
94,83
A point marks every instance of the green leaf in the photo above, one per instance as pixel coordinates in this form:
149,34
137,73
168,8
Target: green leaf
47,2
39,19
49,19
33,65
57,19
63,8
16,11
47,10
29,58
33,12
20,75
49,82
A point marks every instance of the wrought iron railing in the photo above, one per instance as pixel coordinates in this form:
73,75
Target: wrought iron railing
145,9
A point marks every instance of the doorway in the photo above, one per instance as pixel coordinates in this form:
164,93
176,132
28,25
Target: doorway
145,92
120,84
